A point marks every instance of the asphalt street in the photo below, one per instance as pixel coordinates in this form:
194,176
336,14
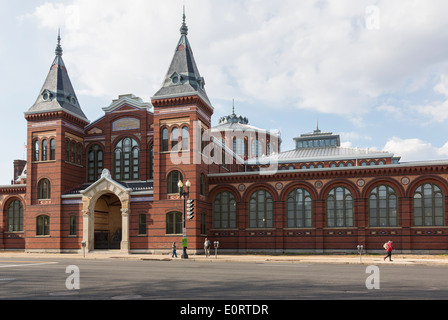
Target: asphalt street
115,279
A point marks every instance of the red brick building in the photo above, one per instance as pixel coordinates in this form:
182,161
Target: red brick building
113,183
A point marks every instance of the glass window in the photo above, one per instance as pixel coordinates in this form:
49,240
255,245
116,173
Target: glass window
261,210
340,208
174,139
72,225
94,163
44,150
174,223
43,225
151,162
383,207
142,224
126,159
299,209
173,178
428,206
15,216
79,154
185,138
36,151
202,185
52,149
43,189
224,211
165,139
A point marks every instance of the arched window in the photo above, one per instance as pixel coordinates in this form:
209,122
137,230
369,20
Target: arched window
428,206
185,138
202,185
73,152
79,154
224,211
36,151
174,223
67,150
299,209
94,163
151,162
261,210
44,150
165,139
52,149
15,216
173,178
383,206
126,159
174,139
340,208
44,189
43,225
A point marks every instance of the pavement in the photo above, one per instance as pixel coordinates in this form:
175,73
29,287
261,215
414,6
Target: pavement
367,259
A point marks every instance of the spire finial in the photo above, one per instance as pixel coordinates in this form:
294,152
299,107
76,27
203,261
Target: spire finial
184,28
58,50
233,107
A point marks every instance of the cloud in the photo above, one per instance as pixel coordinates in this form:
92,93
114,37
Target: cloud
313,55
416,149
437,110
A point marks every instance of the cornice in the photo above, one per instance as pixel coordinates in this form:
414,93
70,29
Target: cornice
330,173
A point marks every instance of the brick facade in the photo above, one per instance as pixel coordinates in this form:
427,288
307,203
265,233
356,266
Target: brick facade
110,179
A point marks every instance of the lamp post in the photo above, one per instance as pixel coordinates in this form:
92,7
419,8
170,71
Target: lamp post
184,194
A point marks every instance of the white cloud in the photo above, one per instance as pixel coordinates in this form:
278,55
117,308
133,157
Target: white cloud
315,55
415,149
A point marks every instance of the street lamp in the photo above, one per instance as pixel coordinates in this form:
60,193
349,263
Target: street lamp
184,194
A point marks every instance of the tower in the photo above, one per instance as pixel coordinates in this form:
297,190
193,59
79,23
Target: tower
55,135
182,110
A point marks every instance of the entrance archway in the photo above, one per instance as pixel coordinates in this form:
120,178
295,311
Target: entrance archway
107,201
107,222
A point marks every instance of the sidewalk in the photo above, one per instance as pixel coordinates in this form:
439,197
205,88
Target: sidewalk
399,259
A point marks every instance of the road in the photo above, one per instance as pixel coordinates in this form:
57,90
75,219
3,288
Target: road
110,279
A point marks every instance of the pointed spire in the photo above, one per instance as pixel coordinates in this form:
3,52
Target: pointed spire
58,50
183,77
184,28
57,93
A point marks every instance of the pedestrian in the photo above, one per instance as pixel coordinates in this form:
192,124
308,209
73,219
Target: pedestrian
389,249
207,247
173,248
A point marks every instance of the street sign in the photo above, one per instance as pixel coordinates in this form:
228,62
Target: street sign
184,242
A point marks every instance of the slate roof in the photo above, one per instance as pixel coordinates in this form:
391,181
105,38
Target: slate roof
183,77
323,154
57,93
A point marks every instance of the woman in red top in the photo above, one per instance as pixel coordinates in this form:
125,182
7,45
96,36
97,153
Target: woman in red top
389,251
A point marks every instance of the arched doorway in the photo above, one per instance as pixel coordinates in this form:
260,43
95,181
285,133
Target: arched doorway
107,222
105,204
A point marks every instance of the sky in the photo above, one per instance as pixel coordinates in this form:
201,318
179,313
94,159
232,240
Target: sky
373,71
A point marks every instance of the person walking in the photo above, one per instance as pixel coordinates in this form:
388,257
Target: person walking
173,248
207,247
389,249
